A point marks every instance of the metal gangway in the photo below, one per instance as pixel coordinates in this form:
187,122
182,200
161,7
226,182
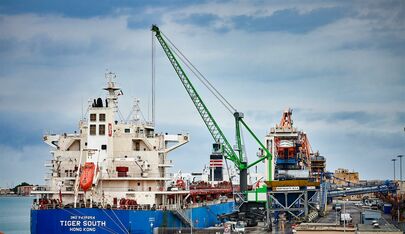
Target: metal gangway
387,187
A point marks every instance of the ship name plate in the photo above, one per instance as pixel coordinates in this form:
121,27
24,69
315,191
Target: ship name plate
77,223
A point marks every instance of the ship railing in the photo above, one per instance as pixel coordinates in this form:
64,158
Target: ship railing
166,162
173,207
48,163
135,207
136,134
49,206
131,154
41,188
189,205
146,207
202,204
69,156
136,175
133,189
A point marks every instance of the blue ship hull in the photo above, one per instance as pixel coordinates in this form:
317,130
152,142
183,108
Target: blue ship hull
94,220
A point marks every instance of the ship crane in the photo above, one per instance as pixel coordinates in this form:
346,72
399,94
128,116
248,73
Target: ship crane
237,155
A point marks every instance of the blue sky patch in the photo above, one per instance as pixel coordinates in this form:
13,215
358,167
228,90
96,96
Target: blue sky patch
84,9
144,21
289,20
199,19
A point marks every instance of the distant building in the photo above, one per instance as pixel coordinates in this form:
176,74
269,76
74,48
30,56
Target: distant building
344,177
24,190
370,182
5,191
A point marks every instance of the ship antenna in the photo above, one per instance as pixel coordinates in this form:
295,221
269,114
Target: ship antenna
81,99
113,91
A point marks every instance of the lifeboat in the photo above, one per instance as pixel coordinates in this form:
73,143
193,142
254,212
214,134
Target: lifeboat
86,178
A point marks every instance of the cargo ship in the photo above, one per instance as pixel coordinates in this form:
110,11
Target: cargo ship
112,176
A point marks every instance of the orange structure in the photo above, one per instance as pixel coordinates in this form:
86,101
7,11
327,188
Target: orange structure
294,148
286,121
86,178
293,152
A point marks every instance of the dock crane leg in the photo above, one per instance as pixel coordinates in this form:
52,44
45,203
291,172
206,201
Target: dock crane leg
243,180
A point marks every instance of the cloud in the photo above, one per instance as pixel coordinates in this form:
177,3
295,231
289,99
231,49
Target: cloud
289,20
341,72
141,21
369,152
82,9
357,117
24,164
200,19
260,18
67,8
20,129
400,116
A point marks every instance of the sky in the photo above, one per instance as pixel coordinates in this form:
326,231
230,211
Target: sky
340,65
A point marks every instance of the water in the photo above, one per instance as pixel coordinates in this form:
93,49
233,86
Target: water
15,215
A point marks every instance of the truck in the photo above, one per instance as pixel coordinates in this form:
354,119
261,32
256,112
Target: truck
345,218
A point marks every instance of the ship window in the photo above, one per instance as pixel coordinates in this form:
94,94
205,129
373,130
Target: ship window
101,117
127,130
103,147
101,129
92,129
93,117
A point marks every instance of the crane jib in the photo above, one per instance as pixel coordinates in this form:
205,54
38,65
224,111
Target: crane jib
213,127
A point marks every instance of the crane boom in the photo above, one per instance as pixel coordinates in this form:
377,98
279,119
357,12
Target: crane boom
202,109
229,153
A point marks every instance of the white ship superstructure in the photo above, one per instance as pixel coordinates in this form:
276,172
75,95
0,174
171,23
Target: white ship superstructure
130,160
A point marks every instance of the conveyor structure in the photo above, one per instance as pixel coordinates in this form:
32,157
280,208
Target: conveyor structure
389,187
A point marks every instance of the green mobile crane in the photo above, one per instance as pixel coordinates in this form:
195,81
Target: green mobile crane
235,155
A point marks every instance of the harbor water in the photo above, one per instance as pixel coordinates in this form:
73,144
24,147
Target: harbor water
15,214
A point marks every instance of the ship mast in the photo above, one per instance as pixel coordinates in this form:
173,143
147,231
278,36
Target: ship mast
113,91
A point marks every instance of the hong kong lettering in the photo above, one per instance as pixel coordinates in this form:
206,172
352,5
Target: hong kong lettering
83,223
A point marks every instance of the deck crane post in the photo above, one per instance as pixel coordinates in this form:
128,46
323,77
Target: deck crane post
238,158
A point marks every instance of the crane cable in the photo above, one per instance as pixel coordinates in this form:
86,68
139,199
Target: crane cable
200,76
153,80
